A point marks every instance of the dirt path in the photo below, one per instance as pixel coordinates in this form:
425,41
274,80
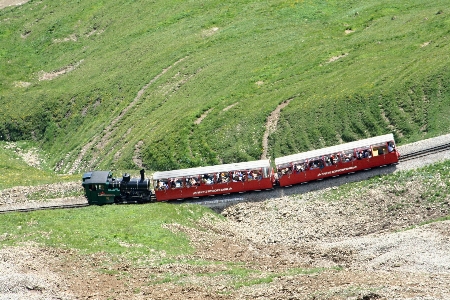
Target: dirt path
363,246
271,126
6,3
100,141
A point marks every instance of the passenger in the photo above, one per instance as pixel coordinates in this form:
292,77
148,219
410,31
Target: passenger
391,147
225,177
172,184
359,155
335,158
160,185
321,164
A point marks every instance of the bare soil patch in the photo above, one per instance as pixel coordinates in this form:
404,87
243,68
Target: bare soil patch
354,248
6,3
271,126
364,246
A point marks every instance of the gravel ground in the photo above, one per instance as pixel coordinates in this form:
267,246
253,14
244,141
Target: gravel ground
367,249
42,195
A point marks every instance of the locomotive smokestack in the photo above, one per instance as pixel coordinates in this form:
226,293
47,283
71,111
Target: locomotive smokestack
142,175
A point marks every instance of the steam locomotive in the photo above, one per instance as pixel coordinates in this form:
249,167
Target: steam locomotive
102,188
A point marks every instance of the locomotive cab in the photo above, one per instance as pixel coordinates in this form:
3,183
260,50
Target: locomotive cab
96,187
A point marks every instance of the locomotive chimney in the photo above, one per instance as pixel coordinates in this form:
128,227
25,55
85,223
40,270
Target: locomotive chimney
142,175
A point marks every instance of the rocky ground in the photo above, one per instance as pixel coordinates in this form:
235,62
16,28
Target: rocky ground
311,245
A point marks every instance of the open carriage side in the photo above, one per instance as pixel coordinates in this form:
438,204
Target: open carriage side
336,160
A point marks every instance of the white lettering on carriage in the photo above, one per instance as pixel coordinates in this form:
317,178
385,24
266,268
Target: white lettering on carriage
336,171
213,191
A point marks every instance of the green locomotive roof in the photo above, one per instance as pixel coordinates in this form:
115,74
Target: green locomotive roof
96,177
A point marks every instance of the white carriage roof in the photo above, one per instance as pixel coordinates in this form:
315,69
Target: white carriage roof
249,165
334,149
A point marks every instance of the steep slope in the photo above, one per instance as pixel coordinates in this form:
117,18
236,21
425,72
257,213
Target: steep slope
121,85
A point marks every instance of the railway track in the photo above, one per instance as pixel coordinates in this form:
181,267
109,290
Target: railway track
424,152
29,209
222,199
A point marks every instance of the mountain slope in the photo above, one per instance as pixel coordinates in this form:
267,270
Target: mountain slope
173,84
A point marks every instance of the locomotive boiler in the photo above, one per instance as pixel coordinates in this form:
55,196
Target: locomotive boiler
102,188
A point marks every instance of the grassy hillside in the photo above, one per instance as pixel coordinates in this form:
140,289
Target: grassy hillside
117,84
15,171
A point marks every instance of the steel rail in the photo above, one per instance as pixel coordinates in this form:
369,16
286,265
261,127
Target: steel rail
424,152
232,198
29,209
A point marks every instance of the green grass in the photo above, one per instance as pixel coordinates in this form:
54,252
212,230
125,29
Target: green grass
434,180
16,172
134,230
392,76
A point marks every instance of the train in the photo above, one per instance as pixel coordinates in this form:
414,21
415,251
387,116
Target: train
101,187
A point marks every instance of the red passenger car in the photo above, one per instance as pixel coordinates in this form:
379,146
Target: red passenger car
336,160
213,180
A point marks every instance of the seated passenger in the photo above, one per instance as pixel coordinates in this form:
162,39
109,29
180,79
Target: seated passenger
348,157
321,164
313,165
225,177
391,147
335,158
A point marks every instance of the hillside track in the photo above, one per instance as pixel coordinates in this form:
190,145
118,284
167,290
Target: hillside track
425,152
51,207
409,156
360,245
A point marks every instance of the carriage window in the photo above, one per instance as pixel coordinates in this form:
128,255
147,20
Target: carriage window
192,181
379,149
335,158
257,174
176,183
391,146
239,176
162,184
347,156
223,177
327,159
300,166
283,169
363,152
315,163
208,178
